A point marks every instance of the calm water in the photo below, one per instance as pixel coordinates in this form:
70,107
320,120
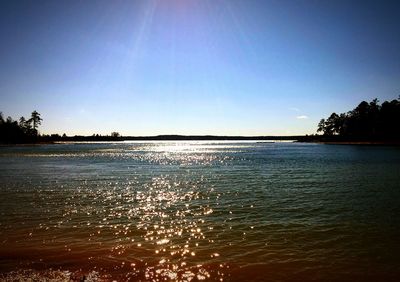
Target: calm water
200,210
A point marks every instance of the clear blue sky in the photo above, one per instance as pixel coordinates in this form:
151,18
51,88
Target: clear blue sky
226,67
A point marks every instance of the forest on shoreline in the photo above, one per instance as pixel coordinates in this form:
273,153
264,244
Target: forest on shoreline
367,123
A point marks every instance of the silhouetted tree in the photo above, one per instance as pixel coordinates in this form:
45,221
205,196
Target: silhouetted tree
22,131
22,121
10,132
321,126
367,120
25,125
36,120
115,134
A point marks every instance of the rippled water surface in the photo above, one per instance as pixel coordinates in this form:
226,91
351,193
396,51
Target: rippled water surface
156,211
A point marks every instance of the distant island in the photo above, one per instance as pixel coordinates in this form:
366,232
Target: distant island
368,123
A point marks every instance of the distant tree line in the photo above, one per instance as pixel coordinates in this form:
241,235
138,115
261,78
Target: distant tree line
94,137
26,131
368,121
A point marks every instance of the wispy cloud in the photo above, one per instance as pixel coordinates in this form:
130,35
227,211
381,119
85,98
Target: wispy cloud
302,117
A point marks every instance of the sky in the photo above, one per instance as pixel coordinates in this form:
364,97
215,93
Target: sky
220,67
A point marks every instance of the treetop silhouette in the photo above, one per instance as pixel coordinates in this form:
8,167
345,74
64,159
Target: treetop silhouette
23,131
367,121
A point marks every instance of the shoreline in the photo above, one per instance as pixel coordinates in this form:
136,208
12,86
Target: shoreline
261,141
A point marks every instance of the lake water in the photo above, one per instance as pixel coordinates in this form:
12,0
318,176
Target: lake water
231,211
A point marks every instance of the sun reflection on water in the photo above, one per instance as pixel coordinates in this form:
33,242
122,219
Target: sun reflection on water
181,211
157,225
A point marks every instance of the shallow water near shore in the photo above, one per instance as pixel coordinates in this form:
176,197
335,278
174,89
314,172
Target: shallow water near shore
230,211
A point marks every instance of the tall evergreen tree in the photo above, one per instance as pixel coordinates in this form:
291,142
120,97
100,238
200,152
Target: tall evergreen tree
36,120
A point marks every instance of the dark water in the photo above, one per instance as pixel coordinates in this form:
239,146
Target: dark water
200,211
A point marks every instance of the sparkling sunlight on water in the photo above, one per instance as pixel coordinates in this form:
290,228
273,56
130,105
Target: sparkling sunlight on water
187,211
